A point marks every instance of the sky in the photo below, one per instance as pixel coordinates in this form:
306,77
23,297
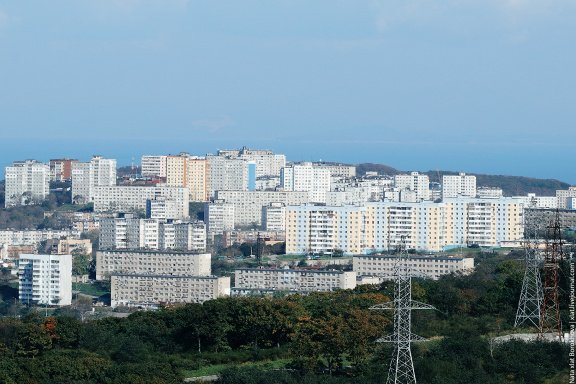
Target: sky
479,86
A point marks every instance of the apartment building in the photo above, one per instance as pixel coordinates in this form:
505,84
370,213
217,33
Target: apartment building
305,177
416,183
127,232
148,291
563,196
430,267
542,218
274,217
238,237
27,182
488,193
266,162
421,226
68,246
61,169
162,208
192,172
539,202
138,262
458,185
231,174
87,177
45,279
338,170
34,237
219,216
153,166
292,280
134,198
486,222
248,204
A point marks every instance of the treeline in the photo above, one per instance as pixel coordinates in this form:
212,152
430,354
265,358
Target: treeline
328,334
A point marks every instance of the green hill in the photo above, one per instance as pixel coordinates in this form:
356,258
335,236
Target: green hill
511,185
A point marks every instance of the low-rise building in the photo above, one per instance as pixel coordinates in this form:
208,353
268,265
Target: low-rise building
292,280
145,290
45,279
134,198
151,263
431,267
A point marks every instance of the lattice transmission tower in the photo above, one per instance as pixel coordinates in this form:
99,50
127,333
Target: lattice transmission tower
531,296
550,313
401,369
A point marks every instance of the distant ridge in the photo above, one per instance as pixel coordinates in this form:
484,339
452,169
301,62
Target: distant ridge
511,185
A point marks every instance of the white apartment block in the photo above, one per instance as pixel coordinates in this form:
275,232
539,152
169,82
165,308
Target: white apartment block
45,279
192,172
153,166
421,226
338,170
563,195
274,217
248,204
455,185
314,229
488,193
162,208
219,217
354,193
539,202
136,262
430,267
306,177
486,222
149,291
231,174
27,182
127,232
292,280
134,198
267,163
86,177
415,182
34,237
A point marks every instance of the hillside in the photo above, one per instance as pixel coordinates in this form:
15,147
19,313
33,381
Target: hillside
511,185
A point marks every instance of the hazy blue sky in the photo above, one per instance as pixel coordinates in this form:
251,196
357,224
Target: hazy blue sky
482,86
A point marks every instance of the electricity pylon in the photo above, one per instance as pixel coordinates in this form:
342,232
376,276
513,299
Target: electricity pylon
550,313
401,369
530,302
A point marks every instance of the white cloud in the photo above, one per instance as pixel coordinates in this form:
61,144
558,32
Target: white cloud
213,124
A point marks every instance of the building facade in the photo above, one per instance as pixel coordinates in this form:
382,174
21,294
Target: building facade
61,169
139,262
248,204
134,198
148,291
458,185
429,267
306,178
27,182
292,280
45,279
86,177
153,166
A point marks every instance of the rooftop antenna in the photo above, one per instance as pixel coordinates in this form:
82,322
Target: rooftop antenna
401,369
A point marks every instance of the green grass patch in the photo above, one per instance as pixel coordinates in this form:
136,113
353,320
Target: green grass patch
94,289
217,369
207,371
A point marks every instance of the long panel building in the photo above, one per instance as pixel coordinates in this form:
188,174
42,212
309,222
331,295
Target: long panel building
421,226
